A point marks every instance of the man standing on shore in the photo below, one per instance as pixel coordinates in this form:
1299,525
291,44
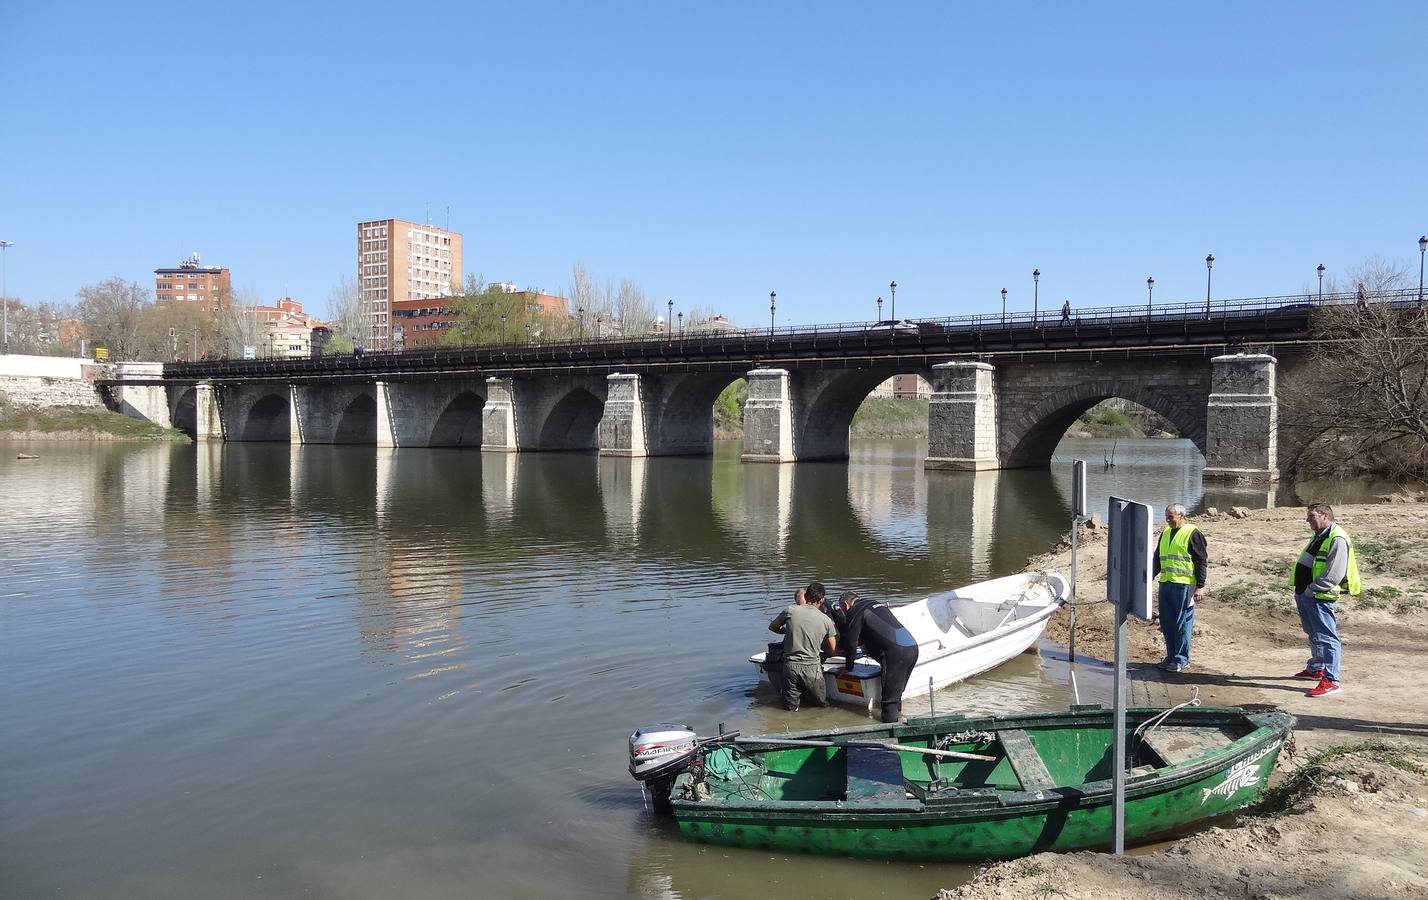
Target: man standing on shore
1180,561
806,629
1327,568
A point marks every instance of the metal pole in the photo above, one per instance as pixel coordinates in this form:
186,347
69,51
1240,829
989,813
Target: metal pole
1150,297
1209,267
893,288
1004,306
1422,248
773,303
1320,270
1035,294
1118,771
5,292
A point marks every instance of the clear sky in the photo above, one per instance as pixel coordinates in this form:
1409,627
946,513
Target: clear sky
714,152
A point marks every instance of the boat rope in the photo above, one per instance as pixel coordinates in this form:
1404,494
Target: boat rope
1159,718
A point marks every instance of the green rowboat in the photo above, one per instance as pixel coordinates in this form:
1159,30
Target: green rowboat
1035,782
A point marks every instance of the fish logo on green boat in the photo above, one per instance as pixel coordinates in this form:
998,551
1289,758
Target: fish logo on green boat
1241,775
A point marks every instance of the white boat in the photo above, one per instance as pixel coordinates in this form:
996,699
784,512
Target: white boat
959,633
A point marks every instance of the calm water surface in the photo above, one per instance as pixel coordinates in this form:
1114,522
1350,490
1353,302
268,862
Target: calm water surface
264,670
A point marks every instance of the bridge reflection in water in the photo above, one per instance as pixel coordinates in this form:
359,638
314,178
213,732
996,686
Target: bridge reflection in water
426,656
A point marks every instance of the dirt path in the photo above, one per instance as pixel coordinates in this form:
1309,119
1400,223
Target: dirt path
1369,839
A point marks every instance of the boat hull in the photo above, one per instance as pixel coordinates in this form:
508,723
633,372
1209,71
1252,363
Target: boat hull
999,824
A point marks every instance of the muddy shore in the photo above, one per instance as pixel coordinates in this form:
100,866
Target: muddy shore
1361,828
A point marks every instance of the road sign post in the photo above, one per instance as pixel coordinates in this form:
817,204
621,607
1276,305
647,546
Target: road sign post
1128,590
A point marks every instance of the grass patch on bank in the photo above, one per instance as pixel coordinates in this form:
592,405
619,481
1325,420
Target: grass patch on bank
889,417
1251,596
1305,779
77,420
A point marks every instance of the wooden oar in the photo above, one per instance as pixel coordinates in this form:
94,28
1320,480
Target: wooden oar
791,742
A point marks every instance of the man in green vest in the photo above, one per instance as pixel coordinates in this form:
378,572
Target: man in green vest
1326,569
1180,563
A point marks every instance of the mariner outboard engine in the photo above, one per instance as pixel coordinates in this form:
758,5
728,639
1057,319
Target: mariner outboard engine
658,753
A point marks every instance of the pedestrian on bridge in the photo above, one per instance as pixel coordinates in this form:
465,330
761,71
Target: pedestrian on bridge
1066,312
1180,562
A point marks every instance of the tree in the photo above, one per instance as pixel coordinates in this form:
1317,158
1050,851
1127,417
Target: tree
112,313
633,311
1361,402
238,325
488,314
344,311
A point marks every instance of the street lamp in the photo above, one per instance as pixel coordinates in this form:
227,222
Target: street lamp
1422,248
880,309
1149,296
503,328
1035,293
580,319
681,324
1004,306
893,288
1209,267
5,295
599,320
1320,270
669,319
773,303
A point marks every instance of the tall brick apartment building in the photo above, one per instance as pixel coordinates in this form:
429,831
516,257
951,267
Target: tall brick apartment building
402,266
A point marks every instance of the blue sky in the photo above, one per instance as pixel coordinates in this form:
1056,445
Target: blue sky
715,152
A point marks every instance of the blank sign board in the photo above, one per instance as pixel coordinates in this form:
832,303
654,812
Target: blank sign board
1128,557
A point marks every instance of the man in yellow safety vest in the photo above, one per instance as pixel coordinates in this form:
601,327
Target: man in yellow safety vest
1327,568
1180,563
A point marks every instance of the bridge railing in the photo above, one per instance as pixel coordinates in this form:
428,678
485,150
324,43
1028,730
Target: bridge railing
694,342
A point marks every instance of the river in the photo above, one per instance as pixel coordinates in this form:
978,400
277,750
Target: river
263,670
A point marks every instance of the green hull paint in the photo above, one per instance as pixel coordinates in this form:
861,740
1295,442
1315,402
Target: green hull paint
805,800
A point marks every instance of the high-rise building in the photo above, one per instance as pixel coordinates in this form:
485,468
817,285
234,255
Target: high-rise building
401,262
192,282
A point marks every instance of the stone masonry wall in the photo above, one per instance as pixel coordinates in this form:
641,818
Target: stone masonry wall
25,392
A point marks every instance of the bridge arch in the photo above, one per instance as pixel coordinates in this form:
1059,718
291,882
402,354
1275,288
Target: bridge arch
266,418
572,421
684,421
459,422
184,413
830,400
357,423
1029,435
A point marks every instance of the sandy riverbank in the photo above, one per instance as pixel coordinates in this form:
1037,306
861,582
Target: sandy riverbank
1362,830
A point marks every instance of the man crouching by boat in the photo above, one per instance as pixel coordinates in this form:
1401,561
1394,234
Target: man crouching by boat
805,627
884,638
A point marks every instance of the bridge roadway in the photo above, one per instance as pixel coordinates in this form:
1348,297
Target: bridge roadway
1004,391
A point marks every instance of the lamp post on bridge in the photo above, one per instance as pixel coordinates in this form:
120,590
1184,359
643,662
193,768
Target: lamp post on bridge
669,319
1150,296
893,287
1004,306
1422,248
681,324
1035,293
1320,270
1209,267
773,303
880,309
580,320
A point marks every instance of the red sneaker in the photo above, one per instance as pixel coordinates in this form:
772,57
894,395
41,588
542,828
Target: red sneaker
1314,674
1324,687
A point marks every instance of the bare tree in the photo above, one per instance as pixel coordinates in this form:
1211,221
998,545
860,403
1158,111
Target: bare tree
111,311
238,324
633,310
1361,403
344,310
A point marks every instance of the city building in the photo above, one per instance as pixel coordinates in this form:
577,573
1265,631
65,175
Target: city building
904,387
287,330
400,265
192,282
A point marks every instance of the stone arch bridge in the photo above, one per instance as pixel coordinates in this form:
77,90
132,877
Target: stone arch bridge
1003,394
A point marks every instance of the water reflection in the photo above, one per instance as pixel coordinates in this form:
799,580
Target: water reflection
364,672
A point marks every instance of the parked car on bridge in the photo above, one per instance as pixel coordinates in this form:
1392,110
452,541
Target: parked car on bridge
905,326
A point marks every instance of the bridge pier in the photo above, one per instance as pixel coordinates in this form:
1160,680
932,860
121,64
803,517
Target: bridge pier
559,413
498,416
208,418
962,417
623,429
1242,419
768,417
445,413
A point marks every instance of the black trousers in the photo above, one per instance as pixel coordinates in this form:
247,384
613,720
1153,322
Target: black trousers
897,666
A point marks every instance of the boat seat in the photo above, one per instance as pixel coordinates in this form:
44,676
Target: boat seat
874,773
1178,745
1025,761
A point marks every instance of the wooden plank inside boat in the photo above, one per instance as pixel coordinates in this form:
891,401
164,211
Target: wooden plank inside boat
1026,762
1176,745
874,773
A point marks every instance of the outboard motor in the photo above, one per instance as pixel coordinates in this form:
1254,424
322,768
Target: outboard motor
657,754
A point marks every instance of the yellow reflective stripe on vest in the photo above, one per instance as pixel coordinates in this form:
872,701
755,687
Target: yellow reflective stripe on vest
1176,564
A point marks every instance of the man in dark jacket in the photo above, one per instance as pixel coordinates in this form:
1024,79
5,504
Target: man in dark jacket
883,638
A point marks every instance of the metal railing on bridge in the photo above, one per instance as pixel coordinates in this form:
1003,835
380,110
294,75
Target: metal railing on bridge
965,333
